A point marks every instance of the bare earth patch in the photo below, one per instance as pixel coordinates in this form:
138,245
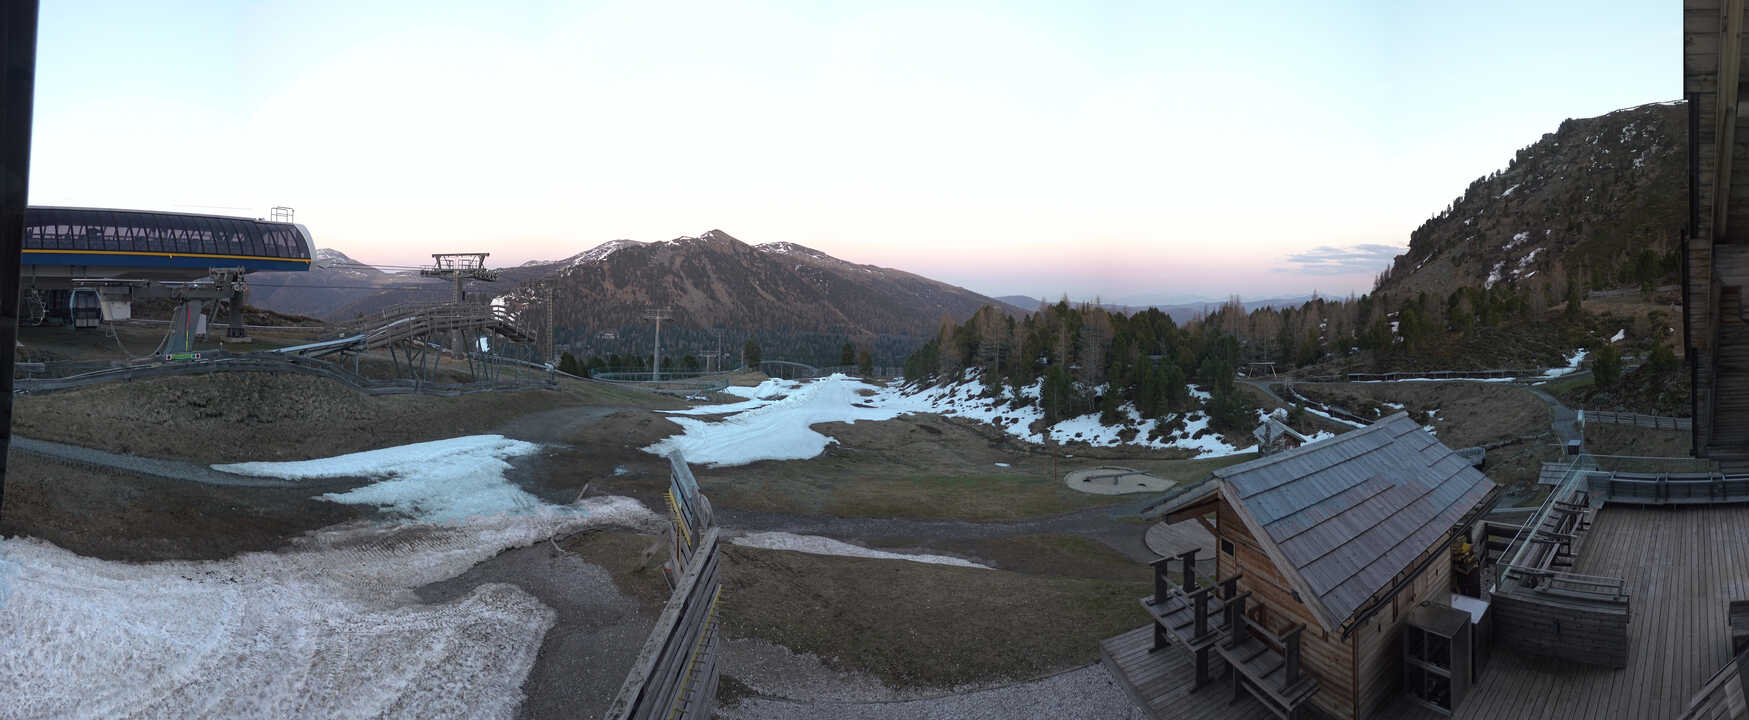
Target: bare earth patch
918,625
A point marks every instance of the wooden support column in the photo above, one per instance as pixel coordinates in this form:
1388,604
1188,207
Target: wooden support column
1725,120
1188,557
1290,644
1237,628
1162,580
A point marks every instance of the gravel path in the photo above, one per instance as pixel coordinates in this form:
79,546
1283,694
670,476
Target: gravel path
151,467
1087,692
1101,523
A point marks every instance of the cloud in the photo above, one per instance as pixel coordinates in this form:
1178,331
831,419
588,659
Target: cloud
1330,260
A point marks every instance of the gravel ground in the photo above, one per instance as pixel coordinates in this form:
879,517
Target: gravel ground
584,657
1087,692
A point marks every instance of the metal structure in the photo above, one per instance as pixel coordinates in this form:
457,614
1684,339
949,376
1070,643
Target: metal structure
550,352
658,314
457,268
128,254
409,334
18,22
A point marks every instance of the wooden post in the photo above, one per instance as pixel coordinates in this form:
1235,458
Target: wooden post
1162,580
1237,630
1290,644
1188,557
1199,604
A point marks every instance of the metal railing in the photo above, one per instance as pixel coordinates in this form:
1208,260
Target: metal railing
219,361
1651,422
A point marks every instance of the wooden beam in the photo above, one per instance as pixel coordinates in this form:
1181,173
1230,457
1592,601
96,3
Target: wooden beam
1209,526
1194,510
1725,119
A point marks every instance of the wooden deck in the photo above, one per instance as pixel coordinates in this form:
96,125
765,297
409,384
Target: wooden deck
1684,566
1159,682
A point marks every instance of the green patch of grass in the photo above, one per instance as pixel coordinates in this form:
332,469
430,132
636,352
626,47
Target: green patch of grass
918,625
1053,555
989,497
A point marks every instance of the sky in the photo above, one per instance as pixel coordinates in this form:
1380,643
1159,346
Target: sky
1123,150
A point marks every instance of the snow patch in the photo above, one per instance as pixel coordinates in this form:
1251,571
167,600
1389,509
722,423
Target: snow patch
816,545
1573,361
440,482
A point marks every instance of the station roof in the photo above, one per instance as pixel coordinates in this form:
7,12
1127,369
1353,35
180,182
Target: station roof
1342,517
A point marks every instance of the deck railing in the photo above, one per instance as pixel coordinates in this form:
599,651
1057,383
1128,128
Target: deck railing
1263,662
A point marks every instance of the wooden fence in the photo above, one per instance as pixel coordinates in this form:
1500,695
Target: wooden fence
676,674
1650,422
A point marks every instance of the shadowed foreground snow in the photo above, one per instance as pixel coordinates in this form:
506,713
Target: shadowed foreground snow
329,627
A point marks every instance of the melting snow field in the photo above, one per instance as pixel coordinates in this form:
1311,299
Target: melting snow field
1573,362
816,545
780,429
442,482
329,627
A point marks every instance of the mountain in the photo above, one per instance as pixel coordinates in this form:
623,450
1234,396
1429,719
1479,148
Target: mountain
334,281
1588,200
716,280
798,302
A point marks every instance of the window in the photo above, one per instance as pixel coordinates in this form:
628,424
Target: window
1226,546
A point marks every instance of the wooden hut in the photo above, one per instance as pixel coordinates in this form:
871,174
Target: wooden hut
1323,550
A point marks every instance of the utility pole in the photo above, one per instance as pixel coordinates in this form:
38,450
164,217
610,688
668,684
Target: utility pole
459,267
657,314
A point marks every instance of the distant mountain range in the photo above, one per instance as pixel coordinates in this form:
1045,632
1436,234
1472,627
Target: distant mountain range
1180,312
709,282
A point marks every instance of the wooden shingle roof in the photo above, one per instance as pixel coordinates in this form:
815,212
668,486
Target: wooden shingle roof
1341,518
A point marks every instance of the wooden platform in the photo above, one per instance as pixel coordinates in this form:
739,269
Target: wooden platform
1159,682
1684,566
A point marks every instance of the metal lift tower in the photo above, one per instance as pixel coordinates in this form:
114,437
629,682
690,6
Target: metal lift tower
658,314
459,267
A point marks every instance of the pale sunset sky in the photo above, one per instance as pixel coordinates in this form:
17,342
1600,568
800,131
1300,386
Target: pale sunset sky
1118,149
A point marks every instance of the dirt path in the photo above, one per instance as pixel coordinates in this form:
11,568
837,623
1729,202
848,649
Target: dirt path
596,634
181,470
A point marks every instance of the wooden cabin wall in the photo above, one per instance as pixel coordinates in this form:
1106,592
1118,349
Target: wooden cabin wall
1326,656
1379,643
